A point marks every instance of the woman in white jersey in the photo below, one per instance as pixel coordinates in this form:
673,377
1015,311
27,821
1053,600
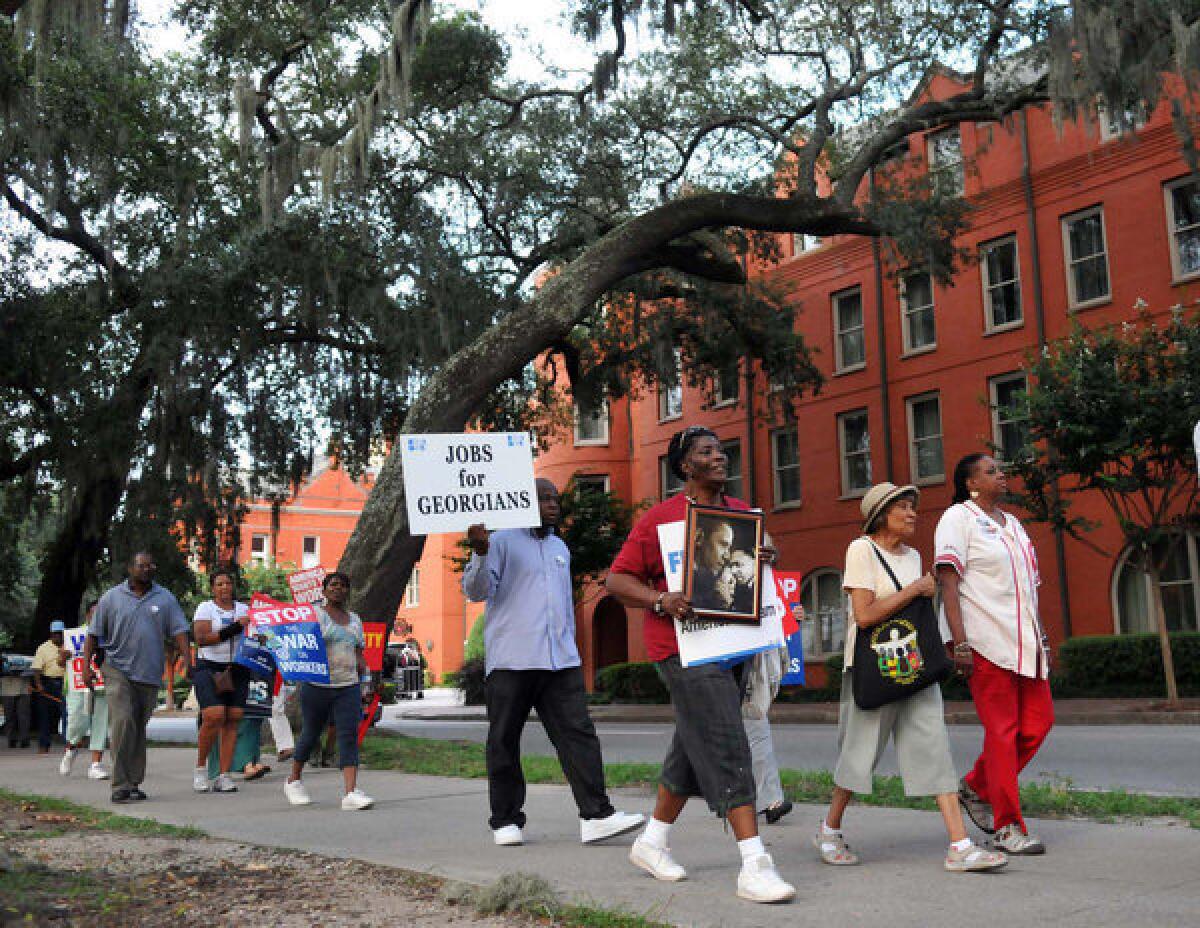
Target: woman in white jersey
989,576
917,723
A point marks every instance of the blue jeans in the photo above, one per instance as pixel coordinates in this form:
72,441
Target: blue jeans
318,704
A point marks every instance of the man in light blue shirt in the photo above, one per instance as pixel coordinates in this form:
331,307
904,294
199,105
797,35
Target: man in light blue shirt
532,662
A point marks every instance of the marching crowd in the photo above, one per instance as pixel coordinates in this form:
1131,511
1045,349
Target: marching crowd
984,568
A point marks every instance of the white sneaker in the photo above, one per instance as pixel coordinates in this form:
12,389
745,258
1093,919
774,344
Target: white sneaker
200,780
508,836
657,861
597,829
68,758
759,881
297,793
224,784
355,800
97,771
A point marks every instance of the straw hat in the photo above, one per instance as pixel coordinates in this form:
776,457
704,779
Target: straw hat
882,495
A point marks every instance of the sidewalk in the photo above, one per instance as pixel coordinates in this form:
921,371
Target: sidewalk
1094,876
1066,712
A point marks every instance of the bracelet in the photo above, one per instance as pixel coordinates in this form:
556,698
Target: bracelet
962,648
658,607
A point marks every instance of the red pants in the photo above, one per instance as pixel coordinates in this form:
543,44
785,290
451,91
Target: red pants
1016,713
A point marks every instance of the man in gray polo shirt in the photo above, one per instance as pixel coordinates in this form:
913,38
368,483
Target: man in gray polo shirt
132,622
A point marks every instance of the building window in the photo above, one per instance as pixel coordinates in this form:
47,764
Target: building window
854,441
670,396
850,351
1087,257
1133,591
591,424
1010,414
412,592
1114,123
591,483
824,630
803,241
785,465
925,460
726,382
946,161
260,548
1183,222
310,553
1001,274
668,483
733,468
916,303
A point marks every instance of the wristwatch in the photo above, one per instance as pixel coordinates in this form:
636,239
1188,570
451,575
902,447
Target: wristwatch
658,607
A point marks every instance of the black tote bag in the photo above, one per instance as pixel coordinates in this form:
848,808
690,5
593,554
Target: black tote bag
901,655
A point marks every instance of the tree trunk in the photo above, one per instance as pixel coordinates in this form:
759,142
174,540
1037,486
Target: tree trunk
1164,638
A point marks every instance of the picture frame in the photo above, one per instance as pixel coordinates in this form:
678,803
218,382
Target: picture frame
722,578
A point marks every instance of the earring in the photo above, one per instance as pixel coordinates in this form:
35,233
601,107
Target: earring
974,494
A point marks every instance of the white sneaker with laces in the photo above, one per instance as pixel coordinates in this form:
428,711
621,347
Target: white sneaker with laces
508,836
355,800
597,829
200,780
1011,840
68,758
224,784
297,793
97,771
657,861
759,881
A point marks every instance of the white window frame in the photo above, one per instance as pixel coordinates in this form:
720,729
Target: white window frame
719,398
666,393
906,311
841,367
1069,260
814,641
954,169
667,479
913,440
1193,555
315,561
580,441
777,499
1177,272
989,317
994,384
1108,126
412,590
804,242
602,481
843,456
264,556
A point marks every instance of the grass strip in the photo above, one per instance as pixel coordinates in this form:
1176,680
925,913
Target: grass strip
95,818
388,751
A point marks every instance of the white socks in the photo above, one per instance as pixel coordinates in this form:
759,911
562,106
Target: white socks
961,845
656,832
751,849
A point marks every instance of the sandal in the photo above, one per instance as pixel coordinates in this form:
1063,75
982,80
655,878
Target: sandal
255,771
974,859
833,849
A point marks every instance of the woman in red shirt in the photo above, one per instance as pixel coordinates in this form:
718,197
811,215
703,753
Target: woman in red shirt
709,754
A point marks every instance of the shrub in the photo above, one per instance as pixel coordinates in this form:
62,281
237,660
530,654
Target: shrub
474,649
1125,666
470,680
632,683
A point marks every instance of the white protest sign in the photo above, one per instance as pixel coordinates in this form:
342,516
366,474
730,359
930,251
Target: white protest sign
452,481
1196,444
73,641
306,585
705,642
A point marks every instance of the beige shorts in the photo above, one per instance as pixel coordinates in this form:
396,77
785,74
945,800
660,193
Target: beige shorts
922,745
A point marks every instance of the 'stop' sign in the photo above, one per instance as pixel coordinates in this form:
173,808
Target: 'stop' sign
452,481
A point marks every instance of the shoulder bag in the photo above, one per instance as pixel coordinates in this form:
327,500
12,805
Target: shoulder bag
901,655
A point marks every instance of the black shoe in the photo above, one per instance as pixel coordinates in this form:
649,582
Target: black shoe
120,795
776,812
137,795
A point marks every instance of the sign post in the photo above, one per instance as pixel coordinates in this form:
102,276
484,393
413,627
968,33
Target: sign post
452,481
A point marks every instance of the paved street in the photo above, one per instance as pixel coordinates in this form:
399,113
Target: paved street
1094,876
1162,759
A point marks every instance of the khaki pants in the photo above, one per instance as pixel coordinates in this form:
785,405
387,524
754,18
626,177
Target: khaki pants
130,705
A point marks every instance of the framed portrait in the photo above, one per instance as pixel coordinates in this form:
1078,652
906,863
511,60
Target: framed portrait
721,575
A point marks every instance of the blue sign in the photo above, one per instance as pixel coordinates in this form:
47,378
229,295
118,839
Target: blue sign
255,657
298,649
794,672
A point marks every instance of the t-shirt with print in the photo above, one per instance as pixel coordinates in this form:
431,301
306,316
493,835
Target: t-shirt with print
342,644
864,572
223,652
